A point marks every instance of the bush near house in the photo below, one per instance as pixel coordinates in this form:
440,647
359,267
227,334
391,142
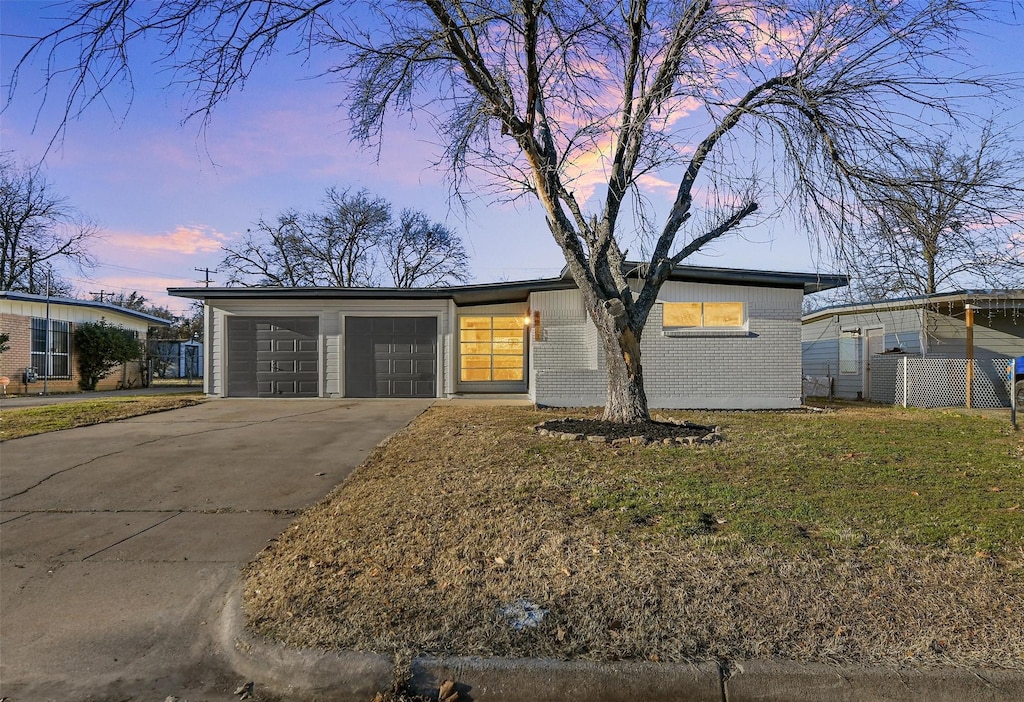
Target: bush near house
102,347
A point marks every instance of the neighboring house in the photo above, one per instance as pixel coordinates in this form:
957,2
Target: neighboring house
176,358
718,338
24,318
842,343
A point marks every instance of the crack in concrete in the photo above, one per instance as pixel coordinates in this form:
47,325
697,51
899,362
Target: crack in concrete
127,538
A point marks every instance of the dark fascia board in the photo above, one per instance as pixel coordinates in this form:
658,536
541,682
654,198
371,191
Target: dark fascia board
492,293
898,303
810,282
519,291
28,297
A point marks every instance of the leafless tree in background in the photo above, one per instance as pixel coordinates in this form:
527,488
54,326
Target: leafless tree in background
269,256
952,219
575,102
419,253
41,232
351,242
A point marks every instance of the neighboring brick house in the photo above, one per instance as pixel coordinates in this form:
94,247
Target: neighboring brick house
717,338
23,317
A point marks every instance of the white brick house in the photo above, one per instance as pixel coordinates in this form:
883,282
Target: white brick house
717,338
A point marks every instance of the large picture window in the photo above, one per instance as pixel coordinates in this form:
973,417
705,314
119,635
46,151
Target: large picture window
56,363
703,315
491,349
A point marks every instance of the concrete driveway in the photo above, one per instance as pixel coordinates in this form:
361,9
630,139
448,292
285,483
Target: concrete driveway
119,542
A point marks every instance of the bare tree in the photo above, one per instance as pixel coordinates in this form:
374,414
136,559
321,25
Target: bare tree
134,300
343,240
951,219
346,244
41,231
272,255
527,93
421,253
329,247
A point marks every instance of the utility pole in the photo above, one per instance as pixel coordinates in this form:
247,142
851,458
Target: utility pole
46,352
207,272
101,293
31,270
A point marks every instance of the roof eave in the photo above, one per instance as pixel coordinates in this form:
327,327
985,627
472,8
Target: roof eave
94,304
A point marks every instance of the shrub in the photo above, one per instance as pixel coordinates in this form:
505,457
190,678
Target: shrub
100,348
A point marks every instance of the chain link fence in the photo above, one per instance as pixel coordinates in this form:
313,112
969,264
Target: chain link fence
913,381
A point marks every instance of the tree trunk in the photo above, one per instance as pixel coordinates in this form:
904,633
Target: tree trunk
626,401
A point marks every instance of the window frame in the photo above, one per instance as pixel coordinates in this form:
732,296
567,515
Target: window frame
849,343
44,363
741,329
490,385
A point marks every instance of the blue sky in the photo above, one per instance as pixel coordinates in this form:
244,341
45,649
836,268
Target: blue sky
166,198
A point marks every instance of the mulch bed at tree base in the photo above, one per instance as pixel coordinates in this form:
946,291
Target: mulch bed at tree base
652,431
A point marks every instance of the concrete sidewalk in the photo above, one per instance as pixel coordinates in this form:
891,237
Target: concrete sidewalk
119,542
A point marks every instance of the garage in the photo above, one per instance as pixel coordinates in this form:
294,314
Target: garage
273,356
391,356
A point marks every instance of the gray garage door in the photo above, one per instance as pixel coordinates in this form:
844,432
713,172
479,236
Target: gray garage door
273,357
391,356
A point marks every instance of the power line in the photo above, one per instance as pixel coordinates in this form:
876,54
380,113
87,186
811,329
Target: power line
207,272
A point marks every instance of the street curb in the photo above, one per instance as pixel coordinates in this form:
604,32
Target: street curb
350,676
299,673
788,681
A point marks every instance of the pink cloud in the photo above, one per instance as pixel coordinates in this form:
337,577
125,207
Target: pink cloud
183,240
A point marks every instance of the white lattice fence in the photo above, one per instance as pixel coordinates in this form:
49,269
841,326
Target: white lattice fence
942,382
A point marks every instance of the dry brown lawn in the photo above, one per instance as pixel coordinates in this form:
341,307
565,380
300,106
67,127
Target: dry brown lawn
864,535
27,421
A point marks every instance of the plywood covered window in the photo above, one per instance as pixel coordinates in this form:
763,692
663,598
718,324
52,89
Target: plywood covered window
703,315
491,349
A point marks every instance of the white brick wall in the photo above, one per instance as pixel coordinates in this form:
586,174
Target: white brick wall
755,369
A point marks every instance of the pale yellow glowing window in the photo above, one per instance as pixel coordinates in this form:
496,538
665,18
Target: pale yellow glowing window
491,349
702,315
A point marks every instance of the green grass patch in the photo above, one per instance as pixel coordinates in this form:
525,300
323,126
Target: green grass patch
792,480
27,421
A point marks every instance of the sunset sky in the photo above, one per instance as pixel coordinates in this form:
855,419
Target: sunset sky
167,198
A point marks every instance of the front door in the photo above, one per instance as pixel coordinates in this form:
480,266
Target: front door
874,343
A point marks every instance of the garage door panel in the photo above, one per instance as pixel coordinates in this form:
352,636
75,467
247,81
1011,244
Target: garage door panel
401,388
273,357
408,325
391,357
382,325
